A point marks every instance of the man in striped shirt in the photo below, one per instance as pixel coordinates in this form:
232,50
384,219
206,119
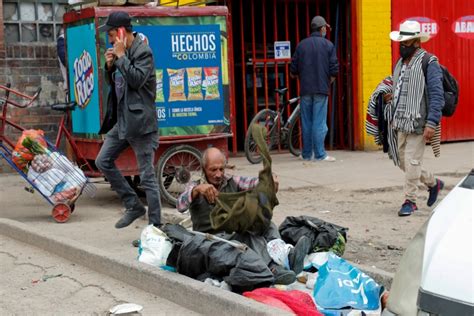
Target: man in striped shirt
200,196
415,111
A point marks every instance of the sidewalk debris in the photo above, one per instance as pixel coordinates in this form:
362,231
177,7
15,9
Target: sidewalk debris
46,276
126,308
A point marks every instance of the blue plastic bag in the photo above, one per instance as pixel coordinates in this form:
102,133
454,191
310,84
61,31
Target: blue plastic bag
343,286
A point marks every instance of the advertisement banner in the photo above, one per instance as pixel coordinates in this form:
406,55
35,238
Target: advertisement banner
189,74
191,67
83,78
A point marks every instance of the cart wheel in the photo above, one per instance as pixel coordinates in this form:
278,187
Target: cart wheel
61,212
178,166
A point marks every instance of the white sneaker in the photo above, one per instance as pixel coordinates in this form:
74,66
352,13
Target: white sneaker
329,159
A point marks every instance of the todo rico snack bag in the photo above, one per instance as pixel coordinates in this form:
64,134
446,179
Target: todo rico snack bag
160,97
194,83
211,83
176,77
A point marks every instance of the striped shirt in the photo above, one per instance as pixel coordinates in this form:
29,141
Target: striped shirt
186,198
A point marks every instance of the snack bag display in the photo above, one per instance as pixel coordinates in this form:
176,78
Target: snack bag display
211,83
160,97
176,84
194,83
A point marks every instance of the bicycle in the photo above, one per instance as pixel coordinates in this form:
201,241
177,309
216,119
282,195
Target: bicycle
279,132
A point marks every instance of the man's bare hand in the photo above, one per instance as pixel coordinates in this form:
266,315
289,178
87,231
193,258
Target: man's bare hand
206,190
275,180
119,46
387,97
109,57
428,133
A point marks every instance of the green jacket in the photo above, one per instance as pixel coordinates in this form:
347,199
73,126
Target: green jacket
252,210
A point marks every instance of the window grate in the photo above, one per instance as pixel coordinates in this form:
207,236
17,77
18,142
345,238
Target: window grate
29,21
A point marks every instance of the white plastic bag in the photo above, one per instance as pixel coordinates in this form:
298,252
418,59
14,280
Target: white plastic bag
47,181
154,246
61,162
278,251
75,179
316,259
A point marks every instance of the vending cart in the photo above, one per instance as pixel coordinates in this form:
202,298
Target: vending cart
194,92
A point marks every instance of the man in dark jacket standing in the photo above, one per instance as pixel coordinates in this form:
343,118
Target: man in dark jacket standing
131,118
315,64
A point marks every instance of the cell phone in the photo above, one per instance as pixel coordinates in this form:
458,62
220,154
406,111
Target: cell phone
121,33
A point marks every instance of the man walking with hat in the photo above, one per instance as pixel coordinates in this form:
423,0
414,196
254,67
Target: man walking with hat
131,118
415,111
315,64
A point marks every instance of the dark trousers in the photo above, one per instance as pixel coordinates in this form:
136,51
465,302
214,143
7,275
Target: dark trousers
144,148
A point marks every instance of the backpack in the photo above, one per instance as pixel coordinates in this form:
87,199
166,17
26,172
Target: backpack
450,87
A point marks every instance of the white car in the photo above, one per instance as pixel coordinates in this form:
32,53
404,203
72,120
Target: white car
436,273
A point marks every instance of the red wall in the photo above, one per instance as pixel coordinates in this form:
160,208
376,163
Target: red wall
454,50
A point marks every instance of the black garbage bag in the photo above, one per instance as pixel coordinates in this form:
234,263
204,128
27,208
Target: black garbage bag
323,235
258,242
201,258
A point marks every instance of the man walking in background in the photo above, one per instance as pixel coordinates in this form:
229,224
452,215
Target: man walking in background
315,64
415,111
131,118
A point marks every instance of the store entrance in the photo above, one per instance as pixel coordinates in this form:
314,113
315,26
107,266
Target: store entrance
256,26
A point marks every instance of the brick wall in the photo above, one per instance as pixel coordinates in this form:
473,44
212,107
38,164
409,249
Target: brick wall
2,43
27,67
375,58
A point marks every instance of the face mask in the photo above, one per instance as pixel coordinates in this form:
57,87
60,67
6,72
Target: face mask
323,34
407,51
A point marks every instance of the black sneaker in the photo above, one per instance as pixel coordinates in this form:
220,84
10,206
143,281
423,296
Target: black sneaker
433,192
130,215
297,254
283,276
408,207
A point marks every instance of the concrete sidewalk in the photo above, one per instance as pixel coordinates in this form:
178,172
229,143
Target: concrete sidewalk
358,170
91,227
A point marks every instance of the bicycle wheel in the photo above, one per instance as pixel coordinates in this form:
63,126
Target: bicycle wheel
264,118
295,137
178,166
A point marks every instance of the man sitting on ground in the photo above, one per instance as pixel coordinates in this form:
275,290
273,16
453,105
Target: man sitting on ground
200,197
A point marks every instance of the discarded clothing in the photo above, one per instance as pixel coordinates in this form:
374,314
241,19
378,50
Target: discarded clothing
324,236
252,210
201,258
297,302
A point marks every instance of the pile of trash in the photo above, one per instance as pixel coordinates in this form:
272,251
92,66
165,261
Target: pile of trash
329,285
46,168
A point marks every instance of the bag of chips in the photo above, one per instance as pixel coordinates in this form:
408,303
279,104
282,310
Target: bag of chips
194,83
211,83
160,97
176,85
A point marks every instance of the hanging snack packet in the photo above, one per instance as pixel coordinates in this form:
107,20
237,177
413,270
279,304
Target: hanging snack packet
211,83
176,85
160,97
194,83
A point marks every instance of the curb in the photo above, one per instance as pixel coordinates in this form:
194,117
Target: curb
182,290
380,276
